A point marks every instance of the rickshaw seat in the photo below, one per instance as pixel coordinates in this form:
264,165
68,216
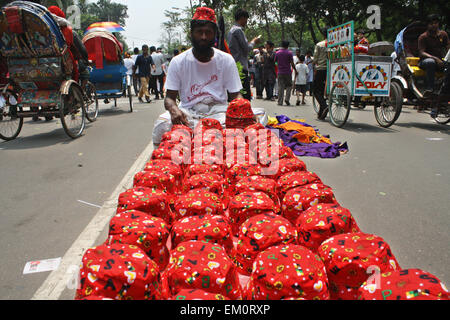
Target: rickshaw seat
418,72
413,61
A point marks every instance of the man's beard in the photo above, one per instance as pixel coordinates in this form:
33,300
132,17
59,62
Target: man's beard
204,48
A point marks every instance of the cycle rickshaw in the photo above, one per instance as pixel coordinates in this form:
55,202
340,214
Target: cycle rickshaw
352,77
109,74
412,79
40,70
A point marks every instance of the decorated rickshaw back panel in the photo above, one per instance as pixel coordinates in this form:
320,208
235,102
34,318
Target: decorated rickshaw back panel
37,56
29,31
36,73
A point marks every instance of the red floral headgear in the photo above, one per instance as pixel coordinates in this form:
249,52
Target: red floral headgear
205,13
239,114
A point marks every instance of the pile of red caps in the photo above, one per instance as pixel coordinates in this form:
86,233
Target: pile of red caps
224,229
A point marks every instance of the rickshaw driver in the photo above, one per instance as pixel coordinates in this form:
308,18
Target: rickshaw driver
201,77
432,45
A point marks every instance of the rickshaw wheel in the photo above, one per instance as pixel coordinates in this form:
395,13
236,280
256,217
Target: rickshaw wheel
91,102
388,110
73,112
10,124
130,97
441,118
339,104
316,105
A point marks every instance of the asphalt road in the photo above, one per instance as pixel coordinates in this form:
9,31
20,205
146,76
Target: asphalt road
394,181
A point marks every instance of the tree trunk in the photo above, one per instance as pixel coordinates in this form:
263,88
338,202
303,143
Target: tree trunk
298,40
266,19
311,30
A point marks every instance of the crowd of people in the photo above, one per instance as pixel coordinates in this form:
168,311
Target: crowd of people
147,71
264,74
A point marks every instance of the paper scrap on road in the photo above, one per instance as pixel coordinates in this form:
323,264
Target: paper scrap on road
41,266
435,139
89,204
382,193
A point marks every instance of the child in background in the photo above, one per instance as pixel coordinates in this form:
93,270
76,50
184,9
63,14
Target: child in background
300,79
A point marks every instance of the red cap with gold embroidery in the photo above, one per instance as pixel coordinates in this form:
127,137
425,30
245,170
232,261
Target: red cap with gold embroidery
206,14
240,114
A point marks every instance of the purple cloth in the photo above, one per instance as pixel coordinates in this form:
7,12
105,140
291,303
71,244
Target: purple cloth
319,150
284,58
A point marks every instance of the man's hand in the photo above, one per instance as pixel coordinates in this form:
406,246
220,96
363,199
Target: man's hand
178,117
170,103
440,63
256,40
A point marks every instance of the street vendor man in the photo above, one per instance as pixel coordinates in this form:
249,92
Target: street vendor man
204,79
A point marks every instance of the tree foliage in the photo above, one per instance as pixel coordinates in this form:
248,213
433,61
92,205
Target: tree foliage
301,21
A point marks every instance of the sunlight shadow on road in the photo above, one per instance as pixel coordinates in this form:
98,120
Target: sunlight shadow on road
40,140
433,127
366,128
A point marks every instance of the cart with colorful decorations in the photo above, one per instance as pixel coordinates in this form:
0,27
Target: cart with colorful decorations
352,77
40,69
109,74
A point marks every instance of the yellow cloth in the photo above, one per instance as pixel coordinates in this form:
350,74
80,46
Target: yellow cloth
305,134
272,121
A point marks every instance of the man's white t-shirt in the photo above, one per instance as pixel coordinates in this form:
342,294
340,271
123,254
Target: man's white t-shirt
199,82
302,75
158,60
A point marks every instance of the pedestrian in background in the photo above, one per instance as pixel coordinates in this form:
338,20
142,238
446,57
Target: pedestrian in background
136,80
240,47
285,62
129,64
157,78
145,64
310,80
296,58
258,63
269,73
320,76
300,79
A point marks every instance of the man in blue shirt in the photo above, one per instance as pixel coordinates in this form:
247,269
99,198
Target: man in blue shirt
144,62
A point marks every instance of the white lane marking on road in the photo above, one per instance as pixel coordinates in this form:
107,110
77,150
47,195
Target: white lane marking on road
60,279
89,204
